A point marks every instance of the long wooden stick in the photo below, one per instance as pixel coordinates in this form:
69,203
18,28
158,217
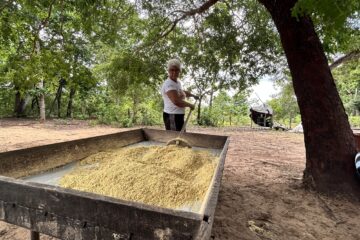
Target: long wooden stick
186,121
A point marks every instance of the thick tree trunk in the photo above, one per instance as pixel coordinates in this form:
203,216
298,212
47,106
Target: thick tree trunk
329,141
69,110
19,106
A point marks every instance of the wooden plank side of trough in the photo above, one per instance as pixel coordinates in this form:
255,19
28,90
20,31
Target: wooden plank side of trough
70,214
208,209
41,158
194,139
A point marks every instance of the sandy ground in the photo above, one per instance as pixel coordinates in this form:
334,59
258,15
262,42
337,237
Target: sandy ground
261,195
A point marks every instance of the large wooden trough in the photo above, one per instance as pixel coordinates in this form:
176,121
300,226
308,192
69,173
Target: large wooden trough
71,214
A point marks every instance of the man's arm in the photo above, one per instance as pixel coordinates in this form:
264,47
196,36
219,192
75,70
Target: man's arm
189,94
176,99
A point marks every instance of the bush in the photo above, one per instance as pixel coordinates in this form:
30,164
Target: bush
111,113
207,119
149,114
354,121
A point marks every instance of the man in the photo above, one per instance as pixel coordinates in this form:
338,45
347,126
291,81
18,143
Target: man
174,98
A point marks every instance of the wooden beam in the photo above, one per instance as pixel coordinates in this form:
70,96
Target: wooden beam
194,139
29,161
70,214
210,202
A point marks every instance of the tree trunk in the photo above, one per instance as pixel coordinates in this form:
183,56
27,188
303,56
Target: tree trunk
59,94
329,140
211,98
57,99
62,83
199,111
41,102
19,107
69,111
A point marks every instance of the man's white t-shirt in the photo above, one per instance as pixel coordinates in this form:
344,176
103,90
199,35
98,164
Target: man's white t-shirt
169,106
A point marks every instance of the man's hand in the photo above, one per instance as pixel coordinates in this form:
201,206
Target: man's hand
189,94
192,106
195,97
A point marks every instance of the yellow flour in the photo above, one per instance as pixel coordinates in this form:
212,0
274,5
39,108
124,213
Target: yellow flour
166,176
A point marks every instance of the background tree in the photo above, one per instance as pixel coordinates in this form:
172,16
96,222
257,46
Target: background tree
347,78
226,44
318,99
284,104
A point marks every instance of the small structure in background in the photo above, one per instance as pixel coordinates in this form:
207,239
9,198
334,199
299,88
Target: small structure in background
262,115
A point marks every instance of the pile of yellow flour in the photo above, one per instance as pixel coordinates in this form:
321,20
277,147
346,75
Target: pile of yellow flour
166,176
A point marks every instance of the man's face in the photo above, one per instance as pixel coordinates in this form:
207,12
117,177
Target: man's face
173,73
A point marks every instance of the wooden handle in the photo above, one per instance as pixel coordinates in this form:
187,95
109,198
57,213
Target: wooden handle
186,121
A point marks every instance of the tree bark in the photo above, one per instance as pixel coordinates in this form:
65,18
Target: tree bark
329,140
199,111
69,111
59,101
19,107
42,102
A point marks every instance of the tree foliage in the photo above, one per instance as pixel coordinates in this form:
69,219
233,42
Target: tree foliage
112,54
347,78
337,22
284,104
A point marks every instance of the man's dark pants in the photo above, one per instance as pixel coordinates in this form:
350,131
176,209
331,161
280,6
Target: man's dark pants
173,122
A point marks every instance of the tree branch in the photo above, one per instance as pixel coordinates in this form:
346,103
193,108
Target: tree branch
42,24
62,23
348,57
171,26
189,13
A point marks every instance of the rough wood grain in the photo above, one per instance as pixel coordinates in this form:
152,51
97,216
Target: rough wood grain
194,139
71,214
41,158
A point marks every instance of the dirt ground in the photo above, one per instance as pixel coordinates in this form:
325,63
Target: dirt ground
261,196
